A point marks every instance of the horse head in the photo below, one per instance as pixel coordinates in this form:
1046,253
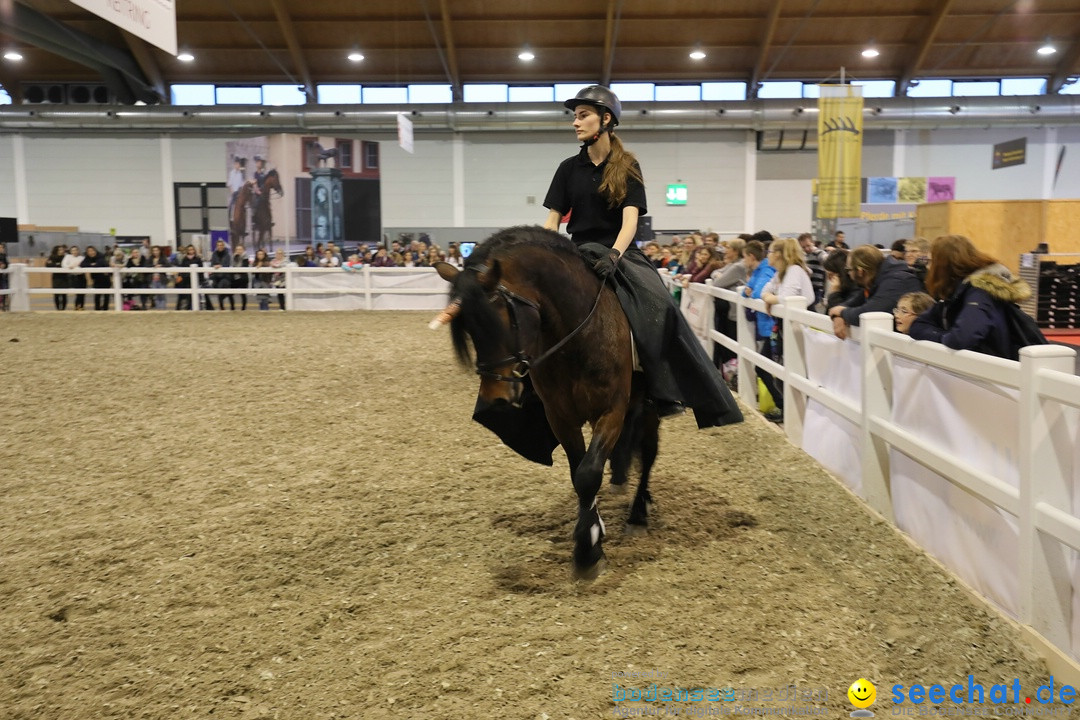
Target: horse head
273,182
497,321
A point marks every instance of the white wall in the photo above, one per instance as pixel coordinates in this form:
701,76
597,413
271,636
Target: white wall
485,179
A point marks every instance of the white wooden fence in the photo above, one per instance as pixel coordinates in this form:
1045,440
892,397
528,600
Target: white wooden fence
365,288
1032,486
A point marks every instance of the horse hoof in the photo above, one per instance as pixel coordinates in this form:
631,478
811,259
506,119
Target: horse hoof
618,488
592,572
635,530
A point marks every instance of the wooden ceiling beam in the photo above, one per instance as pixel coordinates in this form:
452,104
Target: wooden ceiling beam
144,57
609,44
913,67
451,53
1065,69
295,51
763,50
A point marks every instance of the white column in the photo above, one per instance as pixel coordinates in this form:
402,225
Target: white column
458,145
750,179
22,200
168,199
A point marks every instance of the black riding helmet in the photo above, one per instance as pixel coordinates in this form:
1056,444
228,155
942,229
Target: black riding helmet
601,98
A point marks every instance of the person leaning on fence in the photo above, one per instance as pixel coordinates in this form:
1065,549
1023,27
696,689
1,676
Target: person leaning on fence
909,307
240,280
792,279
137,280
916,255
882,279
59,280
159,280
815,259
729,277
98,280
189,258
261,279
760,273
838,283
76,280
221,258
280,262
976,295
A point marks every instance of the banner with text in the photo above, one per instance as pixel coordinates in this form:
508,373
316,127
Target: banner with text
840,126
151,20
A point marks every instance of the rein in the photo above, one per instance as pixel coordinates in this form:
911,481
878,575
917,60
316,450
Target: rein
524,363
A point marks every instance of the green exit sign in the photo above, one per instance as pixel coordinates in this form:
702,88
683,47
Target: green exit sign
676,194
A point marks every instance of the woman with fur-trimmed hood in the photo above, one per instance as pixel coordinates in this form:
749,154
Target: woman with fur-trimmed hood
971,288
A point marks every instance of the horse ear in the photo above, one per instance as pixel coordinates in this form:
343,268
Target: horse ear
446,271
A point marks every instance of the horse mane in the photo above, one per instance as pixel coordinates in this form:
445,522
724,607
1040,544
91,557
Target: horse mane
478,318
522,235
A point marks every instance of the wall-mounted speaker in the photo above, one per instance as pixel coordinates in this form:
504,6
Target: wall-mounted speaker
44,94
88,94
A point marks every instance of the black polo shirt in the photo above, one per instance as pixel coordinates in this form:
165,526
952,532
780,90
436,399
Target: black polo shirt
575,187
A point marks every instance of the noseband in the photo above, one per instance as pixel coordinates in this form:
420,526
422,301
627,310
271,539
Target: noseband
523,363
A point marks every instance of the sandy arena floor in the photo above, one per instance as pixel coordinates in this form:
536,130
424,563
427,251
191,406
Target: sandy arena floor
271,515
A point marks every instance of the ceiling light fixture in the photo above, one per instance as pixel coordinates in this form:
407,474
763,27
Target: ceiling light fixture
13,56
1047,48
526,55
870,51
185,56
697,54
355,56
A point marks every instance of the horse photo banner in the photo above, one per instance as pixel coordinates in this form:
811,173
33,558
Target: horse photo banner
840,127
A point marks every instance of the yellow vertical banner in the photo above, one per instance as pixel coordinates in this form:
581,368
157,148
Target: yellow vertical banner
840,130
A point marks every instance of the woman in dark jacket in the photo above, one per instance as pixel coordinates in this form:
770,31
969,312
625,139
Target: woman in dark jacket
98,280
972,289
137,281
240,280
59,280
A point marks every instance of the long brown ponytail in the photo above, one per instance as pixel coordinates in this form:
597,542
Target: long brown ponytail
621,166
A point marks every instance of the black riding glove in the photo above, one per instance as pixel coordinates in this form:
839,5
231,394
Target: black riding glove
605,266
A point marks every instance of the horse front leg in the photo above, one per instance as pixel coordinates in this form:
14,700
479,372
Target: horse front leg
589,531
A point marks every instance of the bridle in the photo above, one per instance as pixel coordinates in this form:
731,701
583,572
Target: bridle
523,363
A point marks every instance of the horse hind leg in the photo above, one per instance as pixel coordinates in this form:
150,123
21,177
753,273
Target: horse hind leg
648,436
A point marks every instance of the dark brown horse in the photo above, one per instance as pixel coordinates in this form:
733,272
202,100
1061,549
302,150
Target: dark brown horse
261,220
535,312
238,215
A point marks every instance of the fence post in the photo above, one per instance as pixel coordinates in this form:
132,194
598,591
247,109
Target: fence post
794,364
118,296
288,287
193,280
746,334
19,285
876,403
1045,568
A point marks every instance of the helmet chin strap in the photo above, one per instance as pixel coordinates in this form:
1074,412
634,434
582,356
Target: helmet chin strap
596,137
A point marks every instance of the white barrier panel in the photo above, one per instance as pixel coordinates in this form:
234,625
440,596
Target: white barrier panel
828,437
698,309
975,421
390,290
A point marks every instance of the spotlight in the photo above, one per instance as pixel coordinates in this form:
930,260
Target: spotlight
13,56
870,52
526,55
185,56
1047,49
355,57
697,54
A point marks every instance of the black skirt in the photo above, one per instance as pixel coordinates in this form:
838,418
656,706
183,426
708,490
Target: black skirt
678,372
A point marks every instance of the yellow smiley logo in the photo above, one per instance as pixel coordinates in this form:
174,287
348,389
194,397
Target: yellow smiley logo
862,693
